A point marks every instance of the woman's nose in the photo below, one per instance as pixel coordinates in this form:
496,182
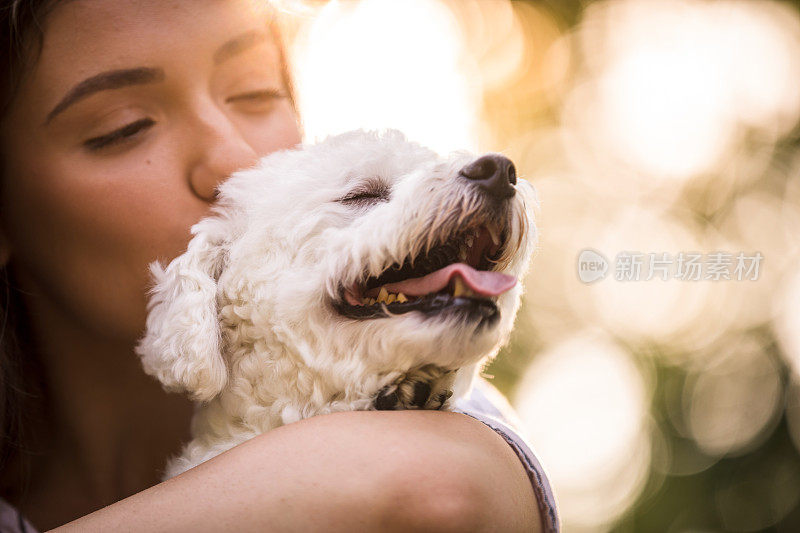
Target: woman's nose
219,150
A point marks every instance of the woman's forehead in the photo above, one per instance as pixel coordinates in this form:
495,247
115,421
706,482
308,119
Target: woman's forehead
85,37
123,26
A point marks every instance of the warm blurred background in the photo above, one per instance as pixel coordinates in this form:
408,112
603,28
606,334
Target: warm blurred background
647,126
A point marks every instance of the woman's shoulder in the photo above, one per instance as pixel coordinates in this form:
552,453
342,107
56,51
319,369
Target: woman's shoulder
486,404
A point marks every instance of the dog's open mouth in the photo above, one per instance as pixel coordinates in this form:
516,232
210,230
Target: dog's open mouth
455,275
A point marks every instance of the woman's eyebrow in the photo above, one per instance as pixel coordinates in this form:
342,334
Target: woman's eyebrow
238,44
112,79
115,79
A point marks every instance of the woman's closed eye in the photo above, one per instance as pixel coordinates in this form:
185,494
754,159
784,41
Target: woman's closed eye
256,101
120,135
259,101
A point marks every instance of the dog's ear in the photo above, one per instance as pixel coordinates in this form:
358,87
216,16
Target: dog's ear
182,345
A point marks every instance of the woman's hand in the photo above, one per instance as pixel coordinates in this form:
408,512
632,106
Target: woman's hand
352,471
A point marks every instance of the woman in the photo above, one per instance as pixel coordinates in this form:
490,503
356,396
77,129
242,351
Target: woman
119,119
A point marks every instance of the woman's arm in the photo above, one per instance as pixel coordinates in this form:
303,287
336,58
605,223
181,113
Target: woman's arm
353,471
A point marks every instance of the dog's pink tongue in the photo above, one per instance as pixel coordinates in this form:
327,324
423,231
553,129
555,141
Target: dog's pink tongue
480,281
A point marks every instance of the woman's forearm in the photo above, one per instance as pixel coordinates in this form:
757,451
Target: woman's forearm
362,471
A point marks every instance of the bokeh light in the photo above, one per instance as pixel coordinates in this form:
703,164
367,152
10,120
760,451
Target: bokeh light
734,398
788,321
584,403
676,78
381,63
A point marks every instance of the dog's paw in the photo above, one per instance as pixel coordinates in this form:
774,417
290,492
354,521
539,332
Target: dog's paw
427,387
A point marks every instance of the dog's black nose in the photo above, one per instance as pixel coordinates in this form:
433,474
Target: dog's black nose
493,173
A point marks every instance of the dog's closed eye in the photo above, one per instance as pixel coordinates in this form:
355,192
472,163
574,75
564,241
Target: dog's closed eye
367,194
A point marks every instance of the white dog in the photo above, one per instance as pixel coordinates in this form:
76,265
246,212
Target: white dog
363,272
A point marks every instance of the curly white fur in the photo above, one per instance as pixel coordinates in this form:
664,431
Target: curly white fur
243,320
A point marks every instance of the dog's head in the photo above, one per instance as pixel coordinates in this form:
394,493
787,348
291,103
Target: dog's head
363,254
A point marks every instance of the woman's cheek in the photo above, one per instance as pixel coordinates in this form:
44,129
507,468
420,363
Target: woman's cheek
84,231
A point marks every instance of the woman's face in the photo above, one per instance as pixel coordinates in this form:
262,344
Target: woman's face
134,112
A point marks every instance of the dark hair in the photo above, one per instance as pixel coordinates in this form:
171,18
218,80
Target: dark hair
20,388
21,38
23,402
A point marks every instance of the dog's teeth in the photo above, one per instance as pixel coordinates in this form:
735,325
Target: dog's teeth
372,301
401,298
459,288
462,253
364,301
494,233
391,298
469,240
383,294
